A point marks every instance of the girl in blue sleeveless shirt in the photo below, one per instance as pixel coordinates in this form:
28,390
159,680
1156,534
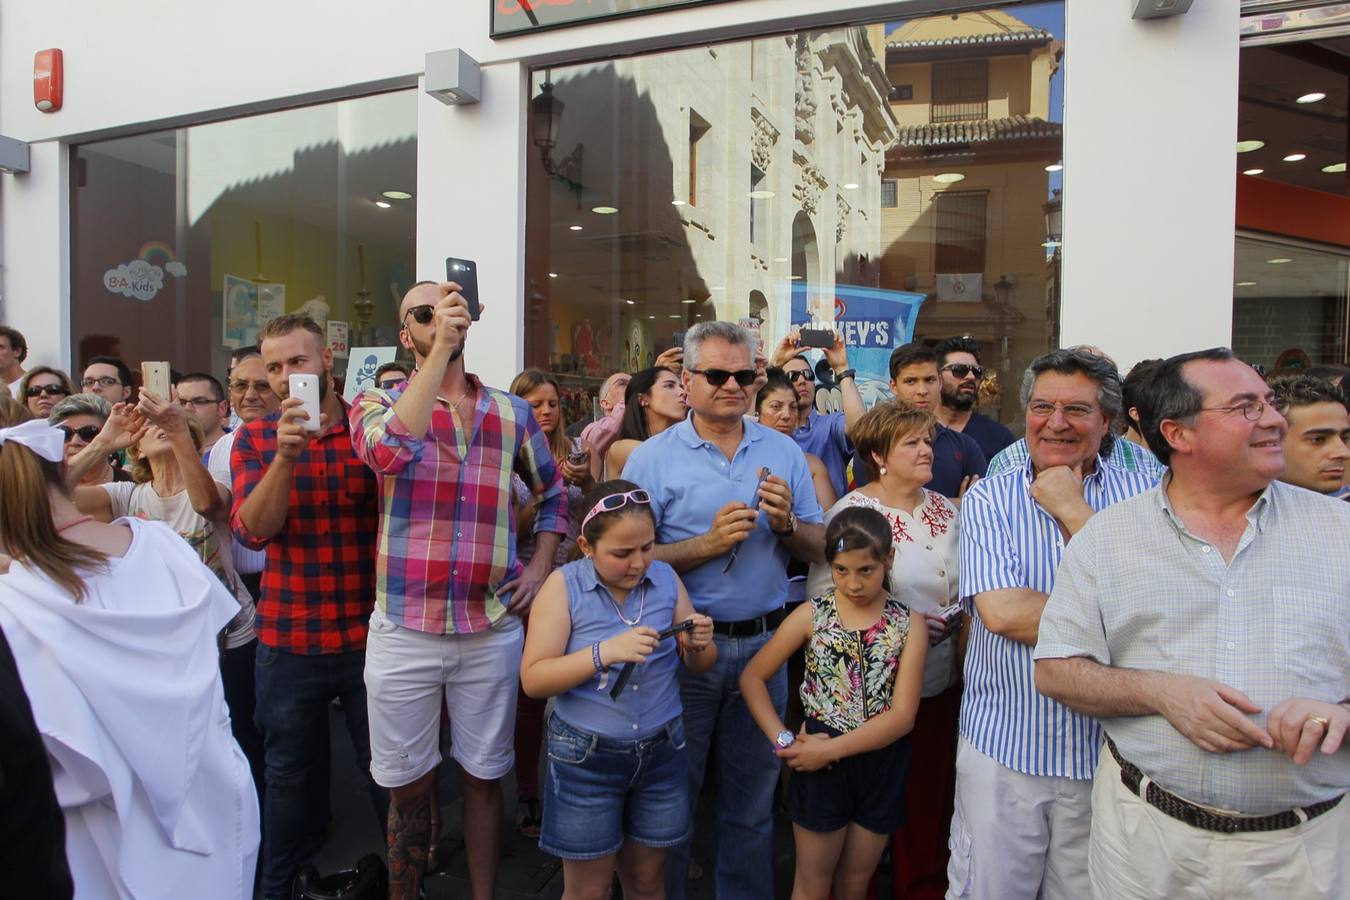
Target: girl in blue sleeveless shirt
617,785
864,671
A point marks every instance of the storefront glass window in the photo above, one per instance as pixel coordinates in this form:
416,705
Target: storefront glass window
893,179
186,241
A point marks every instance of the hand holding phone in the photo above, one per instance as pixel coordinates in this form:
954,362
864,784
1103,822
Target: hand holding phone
305,388
464,272
822,338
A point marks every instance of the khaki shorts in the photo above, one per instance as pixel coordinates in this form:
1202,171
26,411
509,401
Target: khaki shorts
409,672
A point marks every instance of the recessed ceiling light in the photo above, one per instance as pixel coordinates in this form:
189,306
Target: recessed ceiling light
795,278
1249,146
631,302
949,178
698,317
1279,260
1252,171
851,186
552,274
1311,98
1296,157
780,259
1334,168
690,300
1055,167
573,227
676,316
398,195
383,204
651,317
1246,284
760,195
604,210
677,203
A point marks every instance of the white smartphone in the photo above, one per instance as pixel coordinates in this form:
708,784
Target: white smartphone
156,379
305,388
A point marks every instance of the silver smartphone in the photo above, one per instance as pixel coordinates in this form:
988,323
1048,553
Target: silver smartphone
156,378
305,388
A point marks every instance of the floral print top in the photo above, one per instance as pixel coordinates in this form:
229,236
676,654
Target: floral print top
850,675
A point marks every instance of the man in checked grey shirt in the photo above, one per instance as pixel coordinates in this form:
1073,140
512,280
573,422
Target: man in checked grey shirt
1207,624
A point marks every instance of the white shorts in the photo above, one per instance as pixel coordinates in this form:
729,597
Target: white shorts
407,674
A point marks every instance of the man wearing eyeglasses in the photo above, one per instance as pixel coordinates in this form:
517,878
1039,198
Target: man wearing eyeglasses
1024,762
108,377
1205,624
824,434
959,366
203,397
703,476
450,594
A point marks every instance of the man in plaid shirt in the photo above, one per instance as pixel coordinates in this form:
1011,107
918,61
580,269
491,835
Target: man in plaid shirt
449,591
307,499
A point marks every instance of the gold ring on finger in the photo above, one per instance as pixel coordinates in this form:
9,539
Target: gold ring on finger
1320,720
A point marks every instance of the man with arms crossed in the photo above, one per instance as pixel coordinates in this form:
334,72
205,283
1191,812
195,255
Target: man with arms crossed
1207,624
449,591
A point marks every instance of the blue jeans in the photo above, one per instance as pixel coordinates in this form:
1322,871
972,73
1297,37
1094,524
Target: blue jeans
294,693
747,773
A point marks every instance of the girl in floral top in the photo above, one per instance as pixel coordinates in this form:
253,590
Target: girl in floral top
864,668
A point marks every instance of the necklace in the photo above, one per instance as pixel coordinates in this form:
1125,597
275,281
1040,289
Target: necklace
73,522
642,603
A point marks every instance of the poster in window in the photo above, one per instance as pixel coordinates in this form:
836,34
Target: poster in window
245,307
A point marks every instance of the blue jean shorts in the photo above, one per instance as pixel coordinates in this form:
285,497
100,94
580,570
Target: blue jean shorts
600,792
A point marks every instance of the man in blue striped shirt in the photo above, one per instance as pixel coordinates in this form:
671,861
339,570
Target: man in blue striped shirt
1025,762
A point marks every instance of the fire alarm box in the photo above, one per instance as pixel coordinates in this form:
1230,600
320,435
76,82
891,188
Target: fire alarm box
47,79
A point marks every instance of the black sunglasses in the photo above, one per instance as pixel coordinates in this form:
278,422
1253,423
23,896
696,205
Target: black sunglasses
718,377
797,375
961,370
421,314
86,433
51,390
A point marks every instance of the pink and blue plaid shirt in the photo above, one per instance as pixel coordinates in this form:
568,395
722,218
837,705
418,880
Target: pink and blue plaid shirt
447,527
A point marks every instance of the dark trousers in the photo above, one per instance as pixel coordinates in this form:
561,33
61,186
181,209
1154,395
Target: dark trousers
293,697
919,849
237,675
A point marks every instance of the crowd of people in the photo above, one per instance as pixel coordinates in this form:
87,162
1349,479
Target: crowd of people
1109,658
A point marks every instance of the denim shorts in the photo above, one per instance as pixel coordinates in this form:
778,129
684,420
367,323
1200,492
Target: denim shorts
867,788
600,792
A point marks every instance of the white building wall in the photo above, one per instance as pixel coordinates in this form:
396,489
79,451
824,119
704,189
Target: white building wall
1149,229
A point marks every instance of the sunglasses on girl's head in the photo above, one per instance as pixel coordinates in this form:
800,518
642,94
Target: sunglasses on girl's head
797,375
612,502
718,377
421,314
51,390
961,370
86,433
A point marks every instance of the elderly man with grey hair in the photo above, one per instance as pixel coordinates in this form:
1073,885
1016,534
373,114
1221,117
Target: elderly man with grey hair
733,501
81,417
1024,763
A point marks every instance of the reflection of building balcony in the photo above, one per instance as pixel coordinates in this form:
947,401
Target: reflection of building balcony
986,44
1001,136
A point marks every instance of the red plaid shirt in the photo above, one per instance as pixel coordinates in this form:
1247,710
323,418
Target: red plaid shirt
318,587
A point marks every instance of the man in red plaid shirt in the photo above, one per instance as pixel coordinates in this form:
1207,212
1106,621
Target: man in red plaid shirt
307,499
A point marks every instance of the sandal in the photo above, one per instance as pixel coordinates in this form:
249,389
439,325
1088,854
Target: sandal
529,820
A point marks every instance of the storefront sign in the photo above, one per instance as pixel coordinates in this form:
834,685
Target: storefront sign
339,335
873,321
512,17
361,366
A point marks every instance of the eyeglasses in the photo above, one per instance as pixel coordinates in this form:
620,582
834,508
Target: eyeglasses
390,383
51,390
963,371
421,314
1045,409
195,402
718,377
106,381
797,375
1252,410
86,433
613,502
241,387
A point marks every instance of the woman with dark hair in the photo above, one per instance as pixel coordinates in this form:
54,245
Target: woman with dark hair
653,402
776,407
113,627
42,387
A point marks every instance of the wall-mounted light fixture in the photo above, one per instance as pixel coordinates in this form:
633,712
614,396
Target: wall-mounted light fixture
453,77
1158,9
13,156
546,111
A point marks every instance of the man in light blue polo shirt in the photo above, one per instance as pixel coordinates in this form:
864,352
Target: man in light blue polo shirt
729,534
1024,763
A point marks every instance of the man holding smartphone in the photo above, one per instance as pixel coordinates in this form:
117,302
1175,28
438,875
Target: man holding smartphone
305,497
450,593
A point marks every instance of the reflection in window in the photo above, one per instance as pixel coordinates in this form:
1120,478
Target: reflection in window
186,242
846,199
1289,309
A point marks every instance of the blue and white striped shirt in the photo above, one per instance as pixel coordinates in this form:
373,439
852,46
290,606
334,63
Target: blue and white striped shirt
1009,541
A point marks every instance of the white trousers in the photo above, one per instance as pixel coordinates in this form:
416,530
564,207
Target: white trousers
1016,836
1138,852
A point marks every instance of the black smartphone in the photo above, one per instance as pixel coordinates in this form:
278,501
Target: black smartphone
815,337
686,625
464,272
678,340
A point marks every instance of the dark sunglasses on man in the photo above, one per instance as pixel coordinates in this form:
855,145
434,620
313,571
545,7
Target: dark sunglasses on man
963,371
51,390
421,314
797,375
718,377
86,433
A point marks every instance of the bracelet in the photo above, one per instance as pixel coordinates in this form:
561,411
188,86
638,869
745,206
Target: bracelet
791,527
595,658
847,373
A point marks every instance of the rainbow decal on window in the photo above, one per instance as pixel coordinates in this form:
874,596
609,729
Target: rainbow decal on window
153,251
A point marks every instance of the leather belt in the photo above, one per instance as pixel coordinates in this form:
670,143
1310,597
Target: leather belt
1206,819
751,627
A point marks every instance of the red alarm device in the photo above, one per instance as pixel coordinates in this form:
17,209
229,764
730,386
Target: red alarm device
47,80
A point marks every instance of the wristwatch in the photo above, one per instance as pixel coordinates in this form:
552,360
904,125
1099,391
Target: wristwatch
847,373
791,527
785,739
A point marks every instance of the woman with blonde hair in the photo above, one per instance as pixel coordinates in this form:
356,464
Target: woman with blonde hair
113,626
894,443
